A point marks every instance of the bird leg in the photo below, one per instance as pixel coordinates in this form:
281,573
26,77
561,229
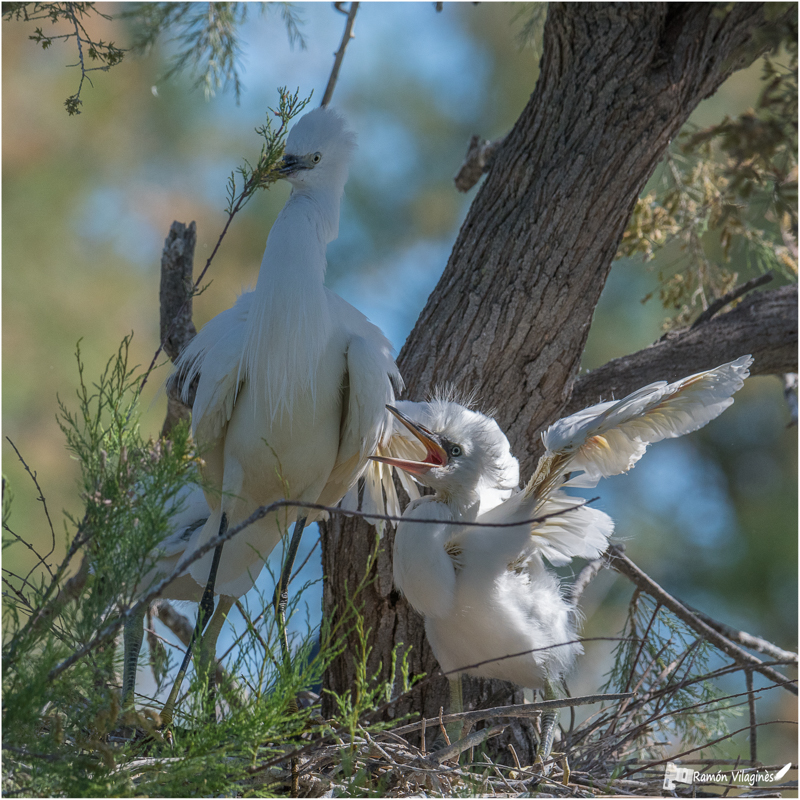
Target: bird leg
280,601
206,656
132,638
281,598
454,729
549,719
204,613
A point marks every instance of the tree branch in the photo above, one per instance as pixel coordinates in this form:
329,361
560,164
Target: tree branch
764,324
746,639
337,62
622,564
730,296
510,316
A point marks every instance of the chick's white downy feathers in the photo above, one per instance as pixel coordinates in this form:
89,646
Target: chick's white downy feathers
486,592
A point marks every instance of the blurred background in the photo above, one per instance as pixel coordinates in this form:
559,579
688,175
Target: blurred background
88,201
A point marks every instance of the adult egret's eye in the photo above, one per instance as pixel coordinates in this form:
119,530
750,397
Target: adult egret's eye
316,158
455,451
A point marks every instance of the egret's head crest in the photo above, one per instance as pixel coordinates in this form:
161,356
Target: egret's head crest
323,143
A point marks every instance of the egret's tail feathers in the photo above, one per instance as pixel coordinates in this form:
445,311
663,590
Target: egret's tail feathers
380,494
350,501
580,533
609,438
373,502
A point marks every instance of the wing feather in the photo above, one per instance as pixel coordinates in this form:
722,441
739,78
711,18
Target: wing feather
609,438
213,358
371,377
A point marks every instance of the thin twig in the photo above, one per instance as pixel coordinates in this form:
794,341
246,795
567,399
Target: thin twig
305,560
44,609
751,702
706,745
585,577
473,740
337,62
746,639
735,293
442,728
499,773
16,591
625,566
251,628
526,710
179,624
41,499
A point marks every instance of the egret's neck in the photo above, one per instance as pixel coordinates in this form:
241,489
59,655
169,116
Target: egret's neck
289,322
462,506
320,206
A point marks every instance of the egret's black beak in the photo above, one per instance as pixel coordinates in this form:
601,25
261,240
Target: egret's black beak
435,454
289,165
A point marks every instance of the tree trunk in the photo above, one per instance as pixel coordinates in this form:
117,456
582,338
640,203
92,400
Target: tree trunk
511,313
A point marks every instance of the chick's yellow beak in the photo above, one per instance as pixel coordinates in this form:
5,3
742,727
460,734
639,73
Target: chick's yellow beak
435,454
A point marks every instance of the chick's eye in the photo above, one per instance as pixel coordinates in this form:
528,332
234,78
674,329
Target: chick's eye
316,158
455,451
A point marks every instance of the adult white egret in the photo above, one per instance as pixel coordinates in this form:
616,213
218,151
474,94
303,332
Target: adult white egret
292,381
486,593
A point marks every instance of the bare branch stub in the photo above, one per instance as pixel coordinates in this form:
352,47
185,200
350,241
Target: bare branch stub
177,290
177,263
479,158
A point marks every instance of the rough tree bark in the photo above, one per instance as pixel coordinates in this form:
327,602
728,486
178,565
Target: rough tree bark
511,313
177,328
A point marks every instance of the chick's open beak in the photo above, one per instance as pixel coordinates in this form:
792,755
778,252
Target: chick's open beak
435,454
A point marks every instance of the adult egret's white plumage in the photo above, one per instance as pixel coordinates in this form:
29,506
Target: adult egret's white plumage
292,381
487,593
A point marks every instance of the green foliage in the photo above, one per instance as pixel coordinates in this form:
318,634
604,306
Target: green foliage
367,692
129,487
533,17
63,724
724,193
667,665
263,173
206,37
104,54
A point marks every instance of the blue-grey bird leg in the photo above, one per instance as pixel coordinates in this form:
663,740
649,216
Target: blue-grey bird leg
204,614
206,662
280,601
132,639
549,719
281,598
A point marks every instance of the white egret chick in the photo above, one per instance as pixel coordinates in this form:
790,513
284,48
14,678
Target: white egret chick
486,593
292,380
